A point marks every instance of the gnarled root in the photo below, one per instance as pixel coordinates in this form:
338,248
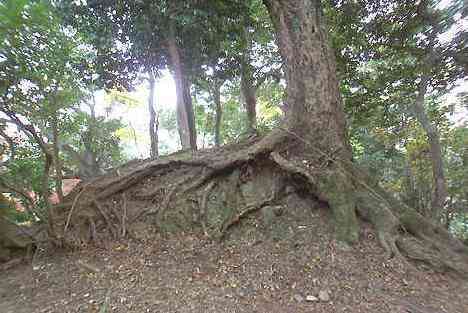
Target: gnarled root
216,189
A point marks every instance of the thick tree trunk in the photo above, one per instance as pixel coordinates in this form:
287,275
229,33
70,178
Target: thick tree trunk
218,113
316,116
153,122
185,112
439,194
315,112
308,153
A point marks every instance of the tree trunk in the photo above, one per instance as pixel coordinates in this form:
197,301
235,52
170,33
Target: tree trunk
185,113
308,153
410,193
248,87
249,94
315,112
439,194
57,161
153,122
218,113
315,115
48,161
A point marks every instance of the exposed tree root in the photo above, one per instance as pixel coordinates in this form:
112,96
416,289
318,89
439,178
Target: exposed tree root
204,202
215,190
244,212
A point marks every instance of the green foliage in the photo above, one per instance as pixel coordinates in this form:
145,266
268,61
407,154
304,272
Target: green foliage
54,55
43,79
39,72
383,48
234,121
269,102
97,134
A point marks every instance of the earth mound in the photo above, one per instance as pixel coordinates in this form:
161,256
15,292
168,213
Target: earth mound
281,259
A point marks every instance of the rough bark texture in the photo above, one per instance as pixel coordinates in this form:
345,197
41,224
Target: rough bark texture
248,88
57,161
315,111
249,94
185,113
440,193
153,122
51,216
308,158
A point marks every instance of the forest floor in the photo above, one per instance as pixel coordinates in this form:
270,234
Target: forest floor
295,268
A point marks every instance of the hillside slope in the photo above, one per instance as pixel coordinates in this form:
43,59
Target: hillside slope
270,264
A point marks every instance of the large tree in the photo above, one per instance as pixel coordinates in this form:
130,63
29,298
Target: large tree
393,64
309,154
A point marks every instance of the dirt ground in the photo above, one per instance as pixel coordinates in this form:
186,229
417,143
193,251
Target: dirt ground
264,269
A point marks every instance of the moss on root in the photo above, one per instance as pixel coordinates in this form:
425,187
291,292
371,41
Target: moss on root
218,189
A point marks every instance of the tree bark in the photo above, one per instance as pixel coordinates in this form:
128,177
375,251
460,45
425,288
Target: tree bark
48,161
248,86
185,112
56,158
309,152
153,122
439,194
249,94
314,106
411,194
218,113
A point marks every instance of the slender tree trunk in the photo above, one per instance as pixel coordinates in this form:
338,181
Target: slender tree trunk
218,112
92,108
439,194
153,122
46,195
314,105
248,88
56,160
185,112
448,214
31,132
88,161
249,94
411,198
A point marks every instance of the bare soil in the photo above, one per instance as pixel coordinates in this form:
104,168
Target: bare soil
257,268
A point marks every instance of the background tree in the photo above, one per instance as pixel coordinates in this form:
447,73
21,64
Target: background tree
44,77
380,58
309,153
